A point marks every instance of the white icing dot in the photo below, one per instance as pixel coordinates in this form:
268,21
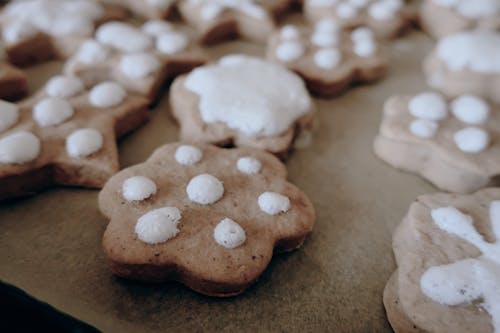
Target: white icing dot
84,142
172,42
205,189
327,25
156,28
19,147
52,111
273,203
18,31
107,94
188,155
64,86
346,11
138,188
382,11
428,105
229,234
362,33
9,115
249,165
92,52
289,32
159,225
470,109
290,51
327,58
324,38
365,48
139,65
472,139
424,128
123,37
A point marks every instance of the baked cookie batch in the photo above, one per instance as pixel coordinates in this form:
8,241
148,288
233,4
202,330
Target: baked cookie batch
211,210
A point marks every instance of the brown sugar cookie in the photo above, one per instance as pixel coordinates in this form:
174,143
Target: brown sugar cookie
207,217
453,144
242,101
151,9
13,82
328,57
65,135
448,275
141,59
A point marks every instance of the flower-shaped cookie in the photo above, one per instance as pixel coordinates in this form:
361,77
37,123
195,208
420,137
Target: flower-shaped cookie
141,59
328,57
457,152
219,20
65,135
441,18
207,217
39,30
448,277
466,63
152,9
387,18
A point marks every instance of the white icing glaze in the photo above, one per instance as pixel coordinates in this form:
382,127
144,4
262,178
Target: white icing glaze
273,203
327,58
156,28
428,105
470,109
472,139
424,128
475,9
9,115
159,225
64,86
229,234
18,31
211,9
172,42
289,32
84,142
138,188
205,189
107,94
52,111
249,94
124,37
19,147
92,52
290,51
188,155
249,165
139,65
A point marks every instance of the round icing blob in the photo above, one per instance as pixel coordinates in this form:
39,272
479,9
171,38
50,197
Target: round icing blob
289,32
92,52
205,189
470,109
346,11
250,95
20,147
365,47
159,225
229,234
327,25
362,33
424,128
382,10
273,203
139,65
322,38
138,188
472,9
290,51
123,37
18,31
64,86
428,105
84,142
52,111
327,58
211,9
9,115
188,155
172,42
156,28
107,94
472,139
249,165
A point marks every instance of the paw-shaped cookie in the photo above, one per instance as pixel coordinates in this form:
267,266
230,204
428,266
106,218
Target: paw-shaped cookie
387,18
65,135
207,217
140,59
242,101
466,63
151,9
328,57
441,18
448,278
455,145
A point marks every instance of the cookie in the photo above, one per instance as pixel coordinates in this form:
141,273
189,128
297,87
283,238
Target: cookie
387,18
141,59
448,273
65,135
39,30
242,101
329,58
454,145
13,82
207,217
440,18
220,20
466,63
151,9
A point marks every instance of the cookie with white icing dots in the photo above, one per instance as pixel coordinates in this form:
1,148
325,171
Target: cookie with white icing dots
40,30
387,18
466,63
448,276
440,18
141,59
454,144
328,57
152,9
65,135
242,101
207,217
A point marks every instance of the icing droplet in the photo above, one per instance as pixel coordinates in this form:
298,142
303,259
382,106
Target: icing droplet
20,147
139,65
188,155
159,225
472,139
52,111
9,115
107,94
470,109
92,52
249,165
172,42
229,234
123,37
273,203
290,51
205,189
84,142
429,105
327,58
138,188
424,128
64,86
289,32
156,28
